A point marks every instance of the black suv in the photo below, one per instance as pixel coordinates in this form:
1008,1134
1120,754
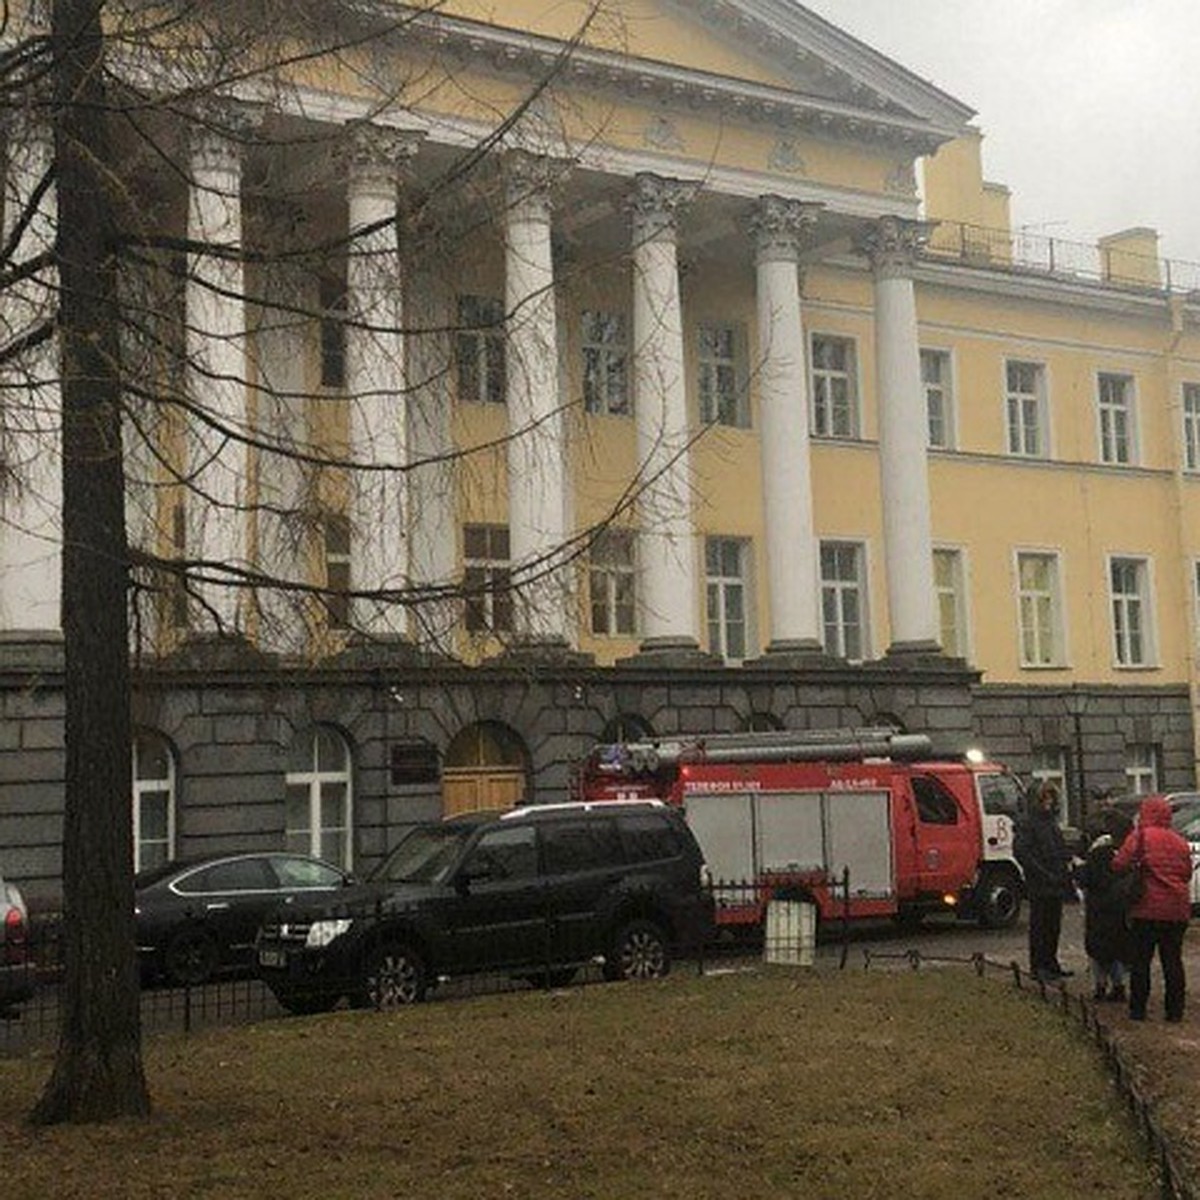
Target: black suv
535,892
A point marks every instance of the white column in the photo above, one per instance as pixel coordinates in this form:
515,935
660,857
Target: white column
537,480
375,380
667,541
891,244
793,581
218,460
31,409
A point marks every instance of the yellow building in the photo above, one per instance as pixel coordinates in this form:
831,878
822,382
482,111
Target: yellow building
641,365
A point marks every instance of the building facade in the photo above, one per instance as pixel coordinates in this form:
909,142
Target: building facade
510,383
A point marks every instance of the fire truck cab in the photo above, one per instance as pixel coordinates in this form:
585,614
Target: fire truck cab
859,822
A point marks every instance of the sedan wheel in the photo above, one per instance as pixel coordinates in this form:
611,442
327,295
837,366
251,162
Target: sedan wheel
191,958
395,977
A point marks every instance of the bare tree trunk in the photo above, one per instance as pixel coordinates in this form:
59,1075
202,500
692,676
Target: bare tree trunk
98,1070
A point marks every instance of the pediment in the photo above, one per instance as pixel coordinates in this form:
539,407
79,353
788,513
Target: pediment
766,59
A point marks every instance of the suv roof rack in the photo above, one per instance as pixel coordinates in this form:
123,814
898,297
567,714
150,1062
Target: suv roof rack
524,810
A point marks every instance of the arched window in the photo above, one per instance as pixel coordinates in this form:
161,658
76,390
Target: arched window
319,808
153,800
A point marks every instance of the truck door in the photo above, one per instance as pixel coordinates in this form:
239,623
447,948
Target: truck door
946,851
1002,804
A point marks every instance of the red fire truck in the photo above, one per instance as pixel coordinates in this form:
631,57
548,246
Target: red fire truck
859,822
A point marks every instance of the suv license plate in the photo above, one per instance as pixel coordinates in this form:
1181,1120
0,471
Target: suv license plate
272,958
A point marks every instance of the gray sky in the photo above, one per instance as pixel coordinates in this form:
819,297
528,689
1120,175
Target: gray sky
1090,109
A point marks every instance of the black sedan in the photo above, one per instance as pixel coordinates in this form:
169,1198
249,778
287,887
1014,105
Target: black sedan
197,916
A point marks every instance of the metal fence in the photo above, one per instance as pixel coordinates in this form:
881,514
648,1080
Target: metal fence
237,995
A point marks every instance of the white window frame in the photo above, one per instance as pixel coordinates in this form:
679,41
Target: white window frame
1141,768
1050,766
1031,603
834,593
143,788
1190,406
604,336
1131,612
720,376
724,592
953,596
1116,418
336,549
612,583
822,384
482,337
939,397
311,838
1026,413
491,573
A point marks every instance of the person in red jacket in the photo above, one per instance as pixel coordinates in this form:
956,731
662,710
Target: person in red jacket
1159,918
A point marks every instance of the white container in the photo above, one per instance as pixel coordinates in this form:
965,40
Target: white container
791,933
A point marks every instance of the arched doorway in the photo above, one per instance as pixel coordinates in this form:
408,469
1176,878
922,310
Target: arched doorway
486,767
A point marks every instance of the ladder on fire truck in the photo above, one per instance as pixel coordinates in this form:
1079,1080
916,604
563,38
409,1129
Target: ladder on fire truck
782,745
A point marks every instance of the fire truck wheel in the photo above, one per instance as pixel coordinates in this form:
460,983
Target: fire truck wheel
639,951
999,900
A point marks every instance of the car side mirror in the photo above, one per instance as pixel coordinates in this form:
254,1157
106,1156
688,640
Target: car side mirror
472,873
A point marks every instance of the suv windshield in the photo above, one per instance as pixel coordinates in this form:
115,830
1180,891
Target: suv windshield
425,855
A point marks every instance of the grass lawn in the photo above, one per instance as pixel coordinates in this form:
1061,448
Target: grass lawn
930,1084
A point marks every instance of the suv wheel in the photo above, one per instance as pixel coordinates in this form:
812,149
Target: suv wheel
395,977
639,951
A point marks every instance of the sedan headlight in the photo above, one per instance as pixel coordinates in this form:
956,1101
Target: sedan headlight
321,933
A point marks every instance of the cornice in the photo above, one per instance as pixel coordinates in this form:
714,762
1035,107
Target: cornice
1048,289
515,51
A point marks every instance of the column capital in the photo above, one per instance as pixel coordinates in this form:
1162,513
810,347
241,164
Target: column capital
530,180
219,128
780,227
377,153
892,244
655,204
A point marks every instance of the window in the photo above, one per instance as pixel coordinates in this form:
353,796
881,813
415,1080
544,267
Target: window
304,873
843,600
935,805
237,875
337,570
1050,766
1141,768
177,588
504,854
1129,583
487,579
605,363
611,583
153,801
834,387
571,846
1116,412
939,398
479,356
726,590
317,816
333,332
1040,608
951,601
647,837
1026,400
1191,426
722,399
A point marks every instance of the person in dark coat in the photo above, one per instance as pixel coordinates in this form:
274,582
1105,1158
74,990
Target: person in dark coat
1160,917
1042,852
1105,932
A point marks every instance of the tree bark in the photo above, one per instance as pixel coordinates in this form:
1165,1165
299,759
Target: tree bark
98,1069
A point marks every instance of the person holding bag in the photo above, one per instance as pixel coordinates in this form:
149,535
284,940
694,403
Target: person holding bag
1159,917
